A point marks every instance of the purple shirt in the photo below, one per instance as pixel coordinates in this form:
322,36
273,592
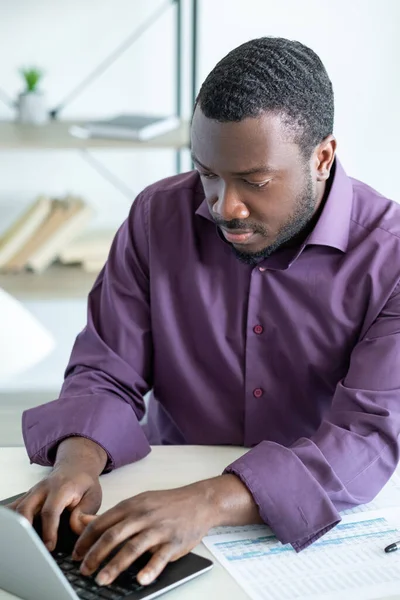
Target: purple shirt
297,358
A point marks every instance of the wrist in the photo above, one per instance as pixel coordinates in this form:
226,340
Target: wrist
81,453
232,501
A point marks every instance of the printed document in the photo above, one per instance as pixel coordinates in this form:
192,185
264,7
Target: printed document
348,562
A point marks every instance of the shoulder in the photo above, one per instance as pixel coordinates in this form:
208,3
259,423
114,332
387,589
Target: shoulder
374,213
174,188
172,201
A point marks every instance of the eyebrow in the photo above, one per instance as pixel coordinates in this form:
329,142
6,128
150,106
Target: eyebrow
260,169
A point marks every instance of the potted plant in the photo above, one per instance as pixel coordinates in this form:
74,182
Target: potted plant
31,102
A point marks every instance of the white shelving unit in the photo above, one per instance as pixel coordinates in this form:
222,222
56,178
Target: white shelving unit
56,283
55,136
61,282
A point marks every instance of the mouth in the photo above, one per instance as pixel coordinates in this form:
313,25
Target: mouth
238,237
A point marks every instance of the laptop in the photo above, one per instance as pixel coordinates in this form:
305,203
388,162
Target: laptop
30,571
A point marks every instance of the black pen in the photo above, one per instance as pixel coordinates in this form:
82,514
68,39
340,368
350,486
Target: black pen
393,547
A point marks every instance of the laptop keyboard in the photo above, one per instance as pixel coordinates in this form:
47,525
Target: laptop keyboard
87,588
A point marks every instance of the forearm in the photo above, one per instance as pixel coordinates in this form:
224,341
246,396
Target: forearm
232,502
81,451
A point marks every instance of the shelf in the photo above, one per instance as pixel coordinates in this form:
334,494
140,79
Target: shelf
55,135
56,283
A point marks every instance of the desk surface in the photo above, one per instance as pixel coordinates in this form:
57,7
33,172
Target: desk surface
165,467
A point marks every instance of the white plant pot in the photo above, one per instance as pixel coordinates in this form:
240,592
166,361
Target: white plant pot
32,108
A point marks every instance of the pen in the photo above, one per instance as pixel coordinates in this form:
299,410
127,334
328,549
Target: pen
393,547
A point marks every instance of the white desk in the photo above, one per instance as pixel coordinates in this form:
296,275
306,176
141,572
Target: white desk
166,467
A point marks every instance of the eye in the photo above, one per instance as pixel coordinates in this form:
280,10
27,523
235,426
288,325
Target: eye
258,186
208,175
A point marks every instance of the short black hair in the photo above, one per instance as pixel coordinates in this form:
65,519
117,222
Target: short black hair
277,75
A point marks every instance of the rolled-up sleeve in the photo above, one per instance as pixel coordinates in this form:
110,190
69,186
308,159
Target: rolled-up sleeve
301,489
110,367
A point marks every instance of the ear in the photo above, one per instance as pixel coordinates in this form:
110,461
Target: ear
324,156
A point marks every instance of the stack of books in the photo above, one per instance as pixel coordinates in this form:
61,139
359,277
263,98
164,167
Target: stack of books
37,237
90,250
138,128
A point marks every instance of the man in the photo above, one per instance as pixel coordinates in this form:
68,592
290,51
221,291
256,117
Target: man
258,297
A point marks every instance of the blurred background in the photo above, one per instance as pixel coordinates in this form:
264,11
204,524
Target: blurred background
95,60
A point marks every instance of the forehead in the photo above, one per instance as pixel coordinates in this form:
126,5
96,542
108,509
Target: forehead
237,146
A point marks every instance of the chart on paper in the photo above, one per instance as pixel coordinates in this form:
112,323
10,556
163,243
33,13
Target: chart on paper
347,563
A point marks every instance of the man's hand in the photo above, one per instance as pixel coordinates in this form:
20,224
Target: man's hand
167,523
73,484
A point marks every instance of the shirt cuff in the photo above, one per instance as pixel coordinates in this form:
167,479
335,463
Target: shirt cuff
289,498
112,424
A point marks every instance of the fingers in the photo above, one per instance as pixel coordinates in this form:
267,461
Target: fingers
64,488
30,504
107,540
157,564
36,501
80,521
50,514
131,551
50,505
96,529
12,503
87,507
90,501
87,519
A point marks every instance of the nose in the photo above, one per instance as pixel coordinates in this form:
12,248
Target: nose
228,205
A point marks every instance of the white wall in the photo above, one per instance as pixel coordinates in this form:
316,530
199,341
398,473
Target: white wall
357,40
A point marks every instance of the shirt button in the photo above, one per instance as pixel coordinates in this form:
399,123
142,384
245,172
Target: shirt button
258,392
258,329
262,269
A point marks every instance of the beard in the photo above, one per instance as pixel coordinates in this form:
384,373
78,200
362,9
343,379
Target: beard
303,213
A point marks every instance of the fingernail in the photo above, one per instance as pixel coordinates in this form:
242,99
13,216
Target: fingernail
145,578
84,569
75,556
103,579
50,546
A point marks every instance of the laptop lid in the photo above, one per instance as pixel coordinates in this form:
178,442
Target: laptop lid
27,569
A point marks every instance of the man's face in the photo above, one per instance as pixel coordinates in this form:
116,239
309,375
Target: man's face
259,188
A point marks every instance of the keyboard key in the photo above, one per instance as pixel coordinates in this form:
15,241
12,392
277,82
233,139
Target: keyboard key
86,587
75,572
119,590
75,563
65,566
84,594
84,582
107,593
91,596
88,584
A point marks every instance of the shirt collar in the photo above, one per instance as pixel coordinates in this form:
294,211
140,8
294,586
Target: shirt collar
332,228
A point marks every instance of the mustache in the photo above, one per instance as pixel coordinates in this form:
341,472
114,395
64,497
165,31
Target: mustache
235,224
238,225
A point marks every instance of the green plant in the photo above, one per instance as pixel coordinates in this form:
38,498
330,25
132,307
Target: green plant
31,77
